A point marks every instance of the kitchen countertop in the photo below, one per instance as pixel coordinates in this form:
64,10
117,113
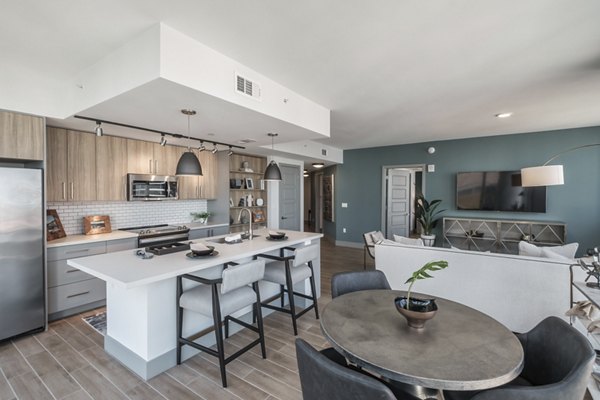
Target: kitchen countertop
127,270
83,239
118,234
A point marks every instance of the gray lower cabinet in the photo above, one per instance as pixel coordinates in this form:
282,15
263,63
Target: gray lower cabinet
208,232
70,290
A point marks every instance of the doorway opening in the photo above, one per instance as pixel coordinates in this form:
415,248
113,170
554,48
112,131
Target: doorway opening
401,185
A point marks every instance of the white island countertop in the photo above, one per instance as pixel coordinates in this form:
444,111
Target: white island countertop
127,270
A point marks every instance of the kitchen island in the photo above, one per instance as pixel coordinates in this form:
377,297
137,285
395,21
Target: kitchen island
141,299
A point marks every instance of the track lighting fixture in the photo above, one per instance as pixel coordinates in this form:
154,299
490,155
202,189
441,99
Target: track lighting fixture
163,140
202,147
215,149
98,130
230,152
188,163
272,173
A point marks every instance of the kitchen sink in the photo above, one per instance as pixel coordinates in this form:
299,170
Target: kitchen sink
222,239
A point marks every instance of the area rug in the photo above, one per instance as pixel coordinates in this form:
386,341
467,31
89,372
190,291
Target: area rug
98,322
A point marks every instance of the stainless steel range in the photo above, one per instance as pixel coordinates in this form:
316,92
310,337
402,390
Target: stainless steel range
159,234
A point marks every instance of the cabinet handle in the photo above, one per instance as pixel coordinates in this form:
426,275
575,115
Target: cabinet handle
71,271
72,190
64,190
197,191
150,166
156,166
77,294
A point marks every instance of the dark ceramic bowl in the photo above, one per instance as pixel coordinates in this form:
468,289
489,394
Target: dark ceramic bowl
204,252
278,235
419,312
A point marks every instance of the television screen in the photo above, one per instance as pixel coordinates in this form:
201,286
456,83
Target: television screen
498,191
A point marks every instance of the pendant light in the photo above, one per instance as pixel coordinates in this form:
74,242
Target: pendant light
188,163
272,173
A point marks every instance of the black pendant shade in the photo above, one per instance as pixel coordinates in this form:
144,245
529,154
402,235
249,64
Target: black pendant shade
189,165
272,173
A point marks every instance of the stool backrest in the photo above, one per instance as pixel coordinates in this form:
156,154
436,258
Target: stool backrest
241,275
303,255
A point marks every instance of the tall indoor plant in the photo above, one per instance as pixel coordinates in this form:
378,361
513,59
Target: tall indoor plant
427,216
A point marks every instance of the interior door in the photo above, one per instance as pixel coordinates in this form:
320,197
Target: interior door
289,197
398,203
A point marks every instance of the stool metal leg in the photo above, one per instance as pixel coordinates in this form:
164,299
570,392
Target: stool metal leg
282,296
259,320
290,292
313,289
179,319
219,333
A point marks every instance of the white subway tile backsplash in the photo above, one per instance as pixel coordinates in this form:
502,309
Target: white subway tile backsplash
126,214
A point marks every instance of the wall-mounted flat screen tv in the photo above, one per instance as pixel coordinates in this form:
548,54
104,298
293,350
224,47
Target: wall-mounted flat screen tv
498,191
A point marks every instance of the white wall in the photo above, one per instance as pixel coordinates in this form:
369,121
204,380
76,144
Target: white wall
124,214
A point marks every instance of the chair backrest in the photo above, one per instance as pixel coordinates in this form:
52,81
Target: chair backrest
302,255
241,275
558,363
324,379
346,282
369,243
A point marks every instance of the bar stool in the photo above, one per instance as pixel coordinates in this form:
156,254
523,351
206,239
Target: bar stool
222,297
288,271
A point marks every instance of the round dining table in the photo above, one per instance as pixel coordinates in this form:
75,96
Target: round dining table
459,349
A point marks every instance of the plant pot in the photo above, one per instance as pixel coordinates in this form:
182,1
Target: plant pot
428,240
419,312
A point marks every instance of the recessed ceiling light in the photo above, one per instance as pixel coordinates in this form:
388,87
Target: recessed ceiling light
318,165
504,115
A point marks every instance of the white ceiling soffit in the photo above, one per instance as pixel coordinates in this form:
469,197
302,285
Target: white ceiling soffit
311,150
391,71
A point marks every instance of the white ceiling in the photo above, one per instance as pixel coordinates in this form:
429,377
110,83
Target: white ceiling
390,71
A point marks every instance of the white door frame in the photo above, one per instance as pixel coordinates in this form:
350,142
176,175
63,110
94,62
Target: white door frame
384,169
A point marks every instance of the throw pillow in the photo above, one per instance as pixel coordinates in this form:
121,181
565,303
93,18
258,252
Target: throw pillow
409,241
548,253
528,249
377,237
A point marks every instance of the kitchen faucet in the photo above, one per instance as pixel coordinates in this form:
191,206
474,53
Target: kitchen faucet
250,234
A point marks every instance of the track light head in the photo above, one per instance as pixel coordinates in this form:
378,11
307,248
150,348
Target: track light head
163,140
215,149
98,130
230,152
202,147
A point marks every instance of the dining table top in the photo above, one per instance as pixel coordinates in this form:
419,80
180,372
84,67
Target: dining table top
459,349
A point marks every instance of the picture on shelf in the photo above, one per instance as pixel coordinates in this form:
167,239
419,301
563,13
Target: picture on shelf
249,183
258,216
95,224
230,202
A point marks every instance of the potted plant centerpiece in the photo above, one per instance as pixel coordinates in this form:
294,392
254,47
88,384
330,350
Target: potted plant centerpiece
418,311
201,217
427,217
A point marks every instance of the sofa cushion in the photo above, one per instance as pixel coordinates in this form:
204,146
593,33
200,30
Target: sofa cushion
567,251
408,241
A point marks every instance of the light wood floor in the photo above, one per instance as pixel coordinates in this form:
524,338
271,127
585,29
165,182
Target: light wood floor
68,361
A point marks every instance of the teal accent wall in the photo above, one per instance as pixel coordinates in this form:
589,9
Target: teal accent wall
577,203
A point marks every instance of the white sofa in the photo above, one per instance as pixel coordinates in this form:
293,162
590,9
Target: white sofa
518,291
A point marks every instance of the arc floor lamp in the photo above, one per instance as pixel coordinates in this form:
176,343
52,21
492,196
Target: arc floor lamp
548,175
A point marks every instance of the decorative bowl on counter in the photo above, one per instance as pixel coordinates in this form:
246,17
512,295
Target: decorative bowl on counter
276,235
200,249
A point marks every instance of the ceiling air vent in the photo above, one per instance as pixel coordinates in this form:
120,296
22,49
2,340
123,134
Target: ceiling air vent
247,87
323,152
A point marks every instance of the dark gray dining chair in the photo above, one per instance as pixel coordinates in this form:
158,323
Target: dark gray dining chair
347,282
322,378
558,363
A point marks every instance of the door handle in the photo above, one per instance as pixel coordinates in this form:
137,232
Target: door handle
283,217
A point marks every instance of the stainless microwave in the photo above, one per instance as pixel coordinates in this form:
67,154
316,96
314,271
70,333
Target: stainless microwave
142,187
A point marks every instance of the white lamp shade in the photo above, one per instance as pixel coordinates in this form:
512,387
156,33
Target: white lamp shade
547,175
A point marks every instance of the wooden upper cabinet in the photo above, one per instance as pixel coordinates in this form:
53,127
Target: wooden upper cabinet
21,136
56,164
165,159
111,168
208,181
140,157
81,166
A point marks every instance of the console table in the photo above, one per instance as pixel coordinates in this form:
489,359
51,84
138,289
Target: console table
500,235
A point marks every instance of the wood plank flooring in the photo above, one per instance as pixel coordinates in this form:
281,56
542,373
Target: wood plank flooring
68,361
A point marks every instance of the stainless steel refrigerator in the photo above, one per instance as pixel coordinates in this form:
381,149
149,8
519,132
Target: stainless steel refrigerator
22,230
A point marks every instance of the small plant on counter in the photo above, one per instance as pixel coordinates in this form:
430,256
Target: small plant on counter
201,217
423,273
